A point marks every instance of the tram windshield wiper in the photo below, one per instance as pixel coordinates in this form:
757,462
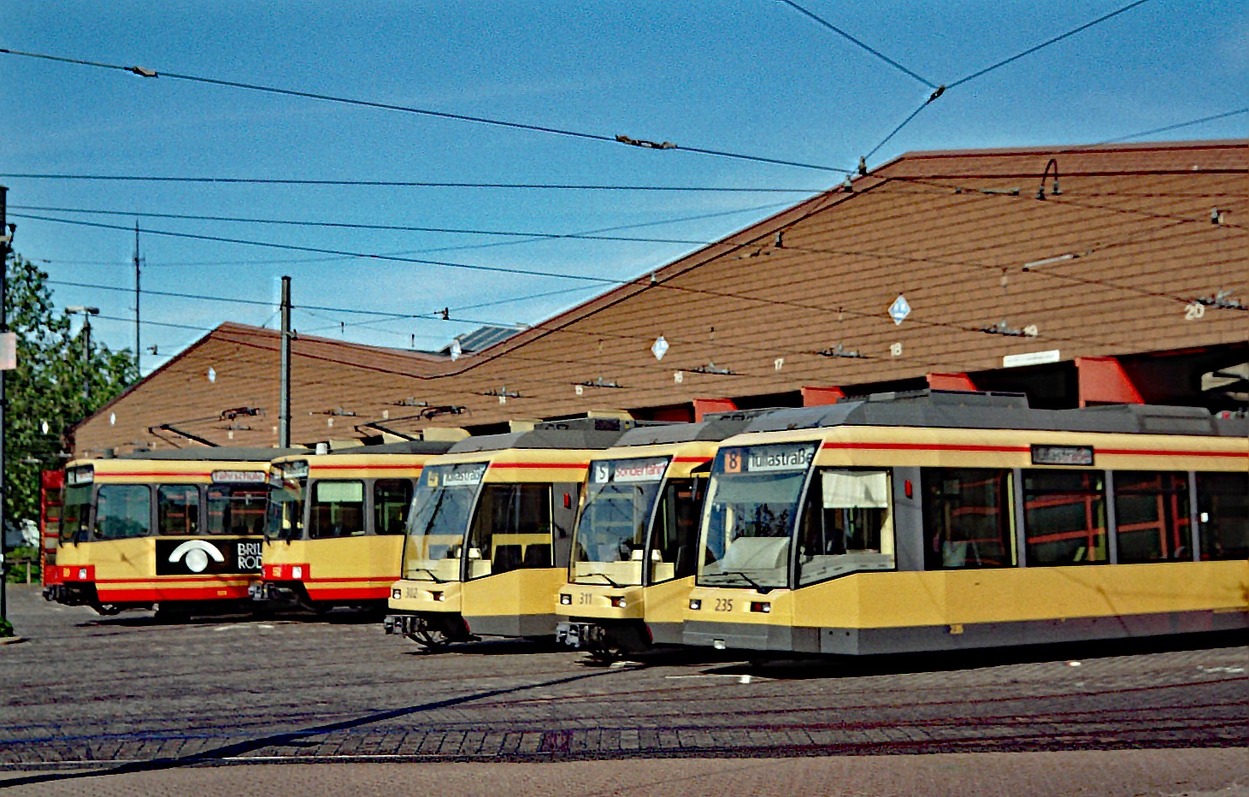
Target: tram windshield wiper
758,587
436,579
603,576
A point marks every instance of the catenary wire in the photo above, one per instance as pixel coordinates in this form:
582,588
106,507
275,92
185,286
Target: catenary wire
613,139
825,23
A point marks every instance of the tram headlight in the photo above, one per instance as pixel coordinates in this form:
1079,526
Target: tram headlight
82,573
696,604
617,602
761,606
396,594
565,599
436,597
297,572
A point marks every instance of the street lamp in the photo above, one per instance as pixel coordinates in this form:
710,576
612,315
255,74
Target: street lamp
86,313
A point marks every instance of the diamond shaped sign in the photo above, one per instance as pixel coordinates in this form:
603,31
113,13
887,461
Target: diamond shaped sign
659,348
899,310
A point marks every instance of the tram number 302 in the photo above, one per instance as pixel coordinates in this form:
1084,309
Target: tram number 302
724,604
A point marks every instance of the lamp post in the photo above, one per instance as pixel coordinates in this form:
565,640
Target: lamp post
86,313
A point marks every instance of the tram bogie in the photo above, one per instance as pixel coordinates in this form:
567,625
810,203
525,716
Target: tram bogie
962,521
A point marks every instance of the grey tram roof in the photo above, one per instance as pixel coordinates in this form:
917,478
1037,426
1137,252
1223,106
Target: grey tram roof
587,433
966,410
214,454
714,427
400,447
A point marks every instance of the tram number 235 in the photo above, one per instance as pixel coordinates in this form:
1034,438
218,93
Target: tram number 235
724,604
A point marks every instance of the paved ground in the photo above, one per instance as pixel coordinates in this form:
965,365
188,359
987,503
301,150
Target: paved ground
127,705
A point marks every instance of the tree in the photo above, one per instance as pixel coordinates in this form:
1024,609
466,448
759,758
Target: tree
47,387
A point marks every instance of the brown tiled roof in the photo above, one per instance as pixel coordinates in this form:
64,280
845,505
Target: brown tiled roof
951,231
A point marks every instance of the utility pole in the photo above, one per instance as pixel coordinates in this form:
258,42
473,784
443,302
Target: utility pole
284,399
138,370
6,238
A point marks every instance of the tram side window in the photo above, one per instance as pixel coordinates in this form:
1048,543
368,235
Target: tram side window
512,526
967,518
123,511
846,525
391,500
1151,516
1223,511
1064,517
337,509
236,509
676,528
177,509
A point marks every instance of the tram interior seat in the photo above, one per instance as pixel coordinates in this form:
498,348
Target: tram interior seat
505,558
537,555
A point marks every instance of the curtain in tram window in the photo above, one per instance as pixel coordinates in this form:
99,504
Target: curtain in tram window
850,489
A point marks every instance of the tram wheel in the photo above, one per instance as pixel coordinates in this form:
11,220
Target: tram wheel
107,609
605,655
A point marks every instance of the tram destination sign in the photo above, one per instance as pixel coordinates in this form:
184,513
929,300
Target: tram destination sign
631,471
763,459
1062,455
456,475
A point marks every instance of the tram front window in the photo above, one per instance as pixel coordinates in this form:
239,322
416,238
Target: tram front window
612,528
285,511
438,523
752,503
76,513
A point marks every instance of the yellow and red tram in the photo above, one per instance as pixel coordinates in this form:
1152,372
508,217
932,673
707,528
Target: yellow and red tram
954,521
336,524
490,534
179,531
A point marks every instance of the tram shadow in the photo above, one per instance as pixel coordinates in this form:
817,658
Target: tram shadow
782,666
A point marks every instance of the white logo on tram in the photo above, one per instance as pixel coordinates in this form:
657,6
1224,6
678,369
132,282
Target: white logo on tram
195,555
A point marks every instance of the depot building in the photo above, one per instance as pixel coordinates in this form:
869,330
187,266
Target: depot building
1074,275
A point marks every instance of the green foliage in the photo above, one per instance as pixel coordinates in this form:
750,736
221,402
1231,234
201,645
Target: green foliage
21,572
6,628
53,366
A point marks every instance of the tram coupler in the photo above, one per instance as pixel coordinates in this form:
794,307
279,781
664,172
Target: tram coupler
70,594
273,593
577,635
399,624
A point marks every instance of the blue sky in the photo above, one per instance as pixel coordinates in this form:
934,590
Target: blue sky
753,77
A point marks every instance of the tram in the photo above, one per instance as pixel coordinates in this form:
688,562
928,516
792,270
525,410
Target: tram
959,521
632,563
336,524
490,534
179,531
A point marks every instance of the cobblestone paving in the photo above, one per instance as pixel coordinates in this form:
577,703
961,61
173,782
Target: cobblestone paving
133,695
